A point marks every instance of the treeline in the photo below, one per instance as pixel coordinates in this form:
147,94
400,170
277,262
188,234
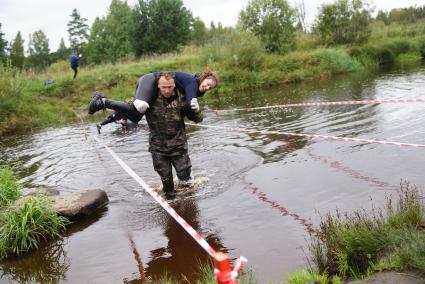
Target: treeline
162,26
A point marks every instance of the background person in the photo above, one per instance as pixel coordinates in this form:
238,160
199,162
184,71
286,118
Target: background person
73,60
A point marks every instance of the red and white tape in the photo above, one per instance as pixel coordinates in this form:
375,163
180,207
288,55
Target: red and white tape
195,235
323,137
220,259
366,102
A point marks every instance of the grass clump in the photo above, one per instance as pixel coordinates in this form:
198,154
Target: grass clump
306,276
9,188
356,245
25,223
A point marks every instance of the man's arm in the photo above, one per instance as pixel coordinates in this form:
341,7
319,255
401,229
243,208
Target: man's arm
195,116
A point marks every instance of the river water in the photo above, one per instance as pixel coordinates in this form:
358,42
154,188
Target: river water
257,193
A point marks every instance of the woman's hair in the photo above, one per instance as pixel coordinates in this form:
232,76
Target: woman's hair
208,74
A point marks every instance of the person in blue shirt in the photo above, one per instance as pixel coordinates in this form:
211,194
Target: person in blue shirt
190,85
73,59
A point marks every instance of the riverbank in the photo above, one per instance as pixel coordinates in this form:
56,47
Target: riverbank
358,244
52,98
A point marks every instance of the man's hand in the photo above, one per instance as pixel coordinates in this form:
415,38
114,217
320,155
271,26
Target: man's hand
194,105
140,105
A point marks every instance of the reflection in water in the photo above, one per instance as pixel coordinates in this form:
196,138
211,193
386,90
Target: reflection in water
183,255
308,226
137,257
49,264
352,173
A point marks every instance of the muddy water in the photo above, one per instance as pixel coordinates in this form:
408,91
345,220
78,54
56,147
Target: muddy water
260,193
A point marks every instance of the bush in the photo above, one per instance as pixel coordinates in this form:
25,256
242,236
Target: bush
58,67
248,54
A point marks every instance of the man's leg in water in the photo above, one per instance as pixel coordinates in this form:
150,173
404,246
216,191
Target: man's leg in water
183,167
162,165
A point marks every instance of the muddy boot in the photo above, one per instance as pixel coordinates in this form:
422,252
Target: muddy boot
96,103
98,126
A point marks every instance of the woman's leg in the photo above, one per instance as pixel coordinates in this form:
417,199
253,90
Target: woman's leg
146,88
126,110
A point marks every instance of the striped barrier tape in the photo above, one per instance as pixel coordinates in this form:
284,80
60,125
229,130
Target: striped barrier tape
221,261
324,137
366,102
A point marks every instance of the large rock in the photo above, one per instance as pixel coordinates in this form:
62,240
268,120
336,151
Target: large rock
391,277
75,205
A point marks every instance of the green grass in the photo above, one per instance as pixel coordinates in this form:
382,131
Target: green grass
9,188
25,223
358,244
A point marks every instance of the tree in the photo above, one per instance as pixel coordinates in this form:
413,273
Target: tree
343,22
301,15
97,46
383,16
78,31
3,45
17,57
38,49
118,29
63,51
199,33
168,25
140,28
272,21
110,37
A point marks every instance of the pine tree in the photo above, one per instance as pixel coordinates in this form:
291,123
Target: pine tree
17,57
3,45
78,31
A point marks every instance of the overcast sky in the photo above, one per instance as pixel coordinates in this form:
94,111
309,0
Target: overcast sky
52,16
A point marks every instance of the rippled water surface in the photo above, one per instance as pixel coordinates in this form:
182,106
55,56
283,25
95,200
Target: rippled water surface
260,192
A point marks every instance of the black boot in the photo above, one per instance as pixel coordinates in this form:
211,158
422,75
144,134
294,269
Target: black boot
96,103
98,128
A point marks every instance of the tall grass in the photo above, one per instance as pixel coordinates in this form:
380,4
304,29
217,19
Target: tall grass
24,224
354,245
9,188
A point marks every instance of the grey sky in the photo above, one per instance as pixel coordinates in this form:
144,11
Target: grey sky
52,16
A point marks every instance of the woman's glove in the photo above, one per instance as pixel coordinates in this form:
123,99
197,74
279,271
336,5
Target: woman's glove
194,105
140,105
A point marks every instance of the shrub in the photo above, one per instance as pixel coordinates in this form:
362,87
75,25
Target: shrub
248,54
